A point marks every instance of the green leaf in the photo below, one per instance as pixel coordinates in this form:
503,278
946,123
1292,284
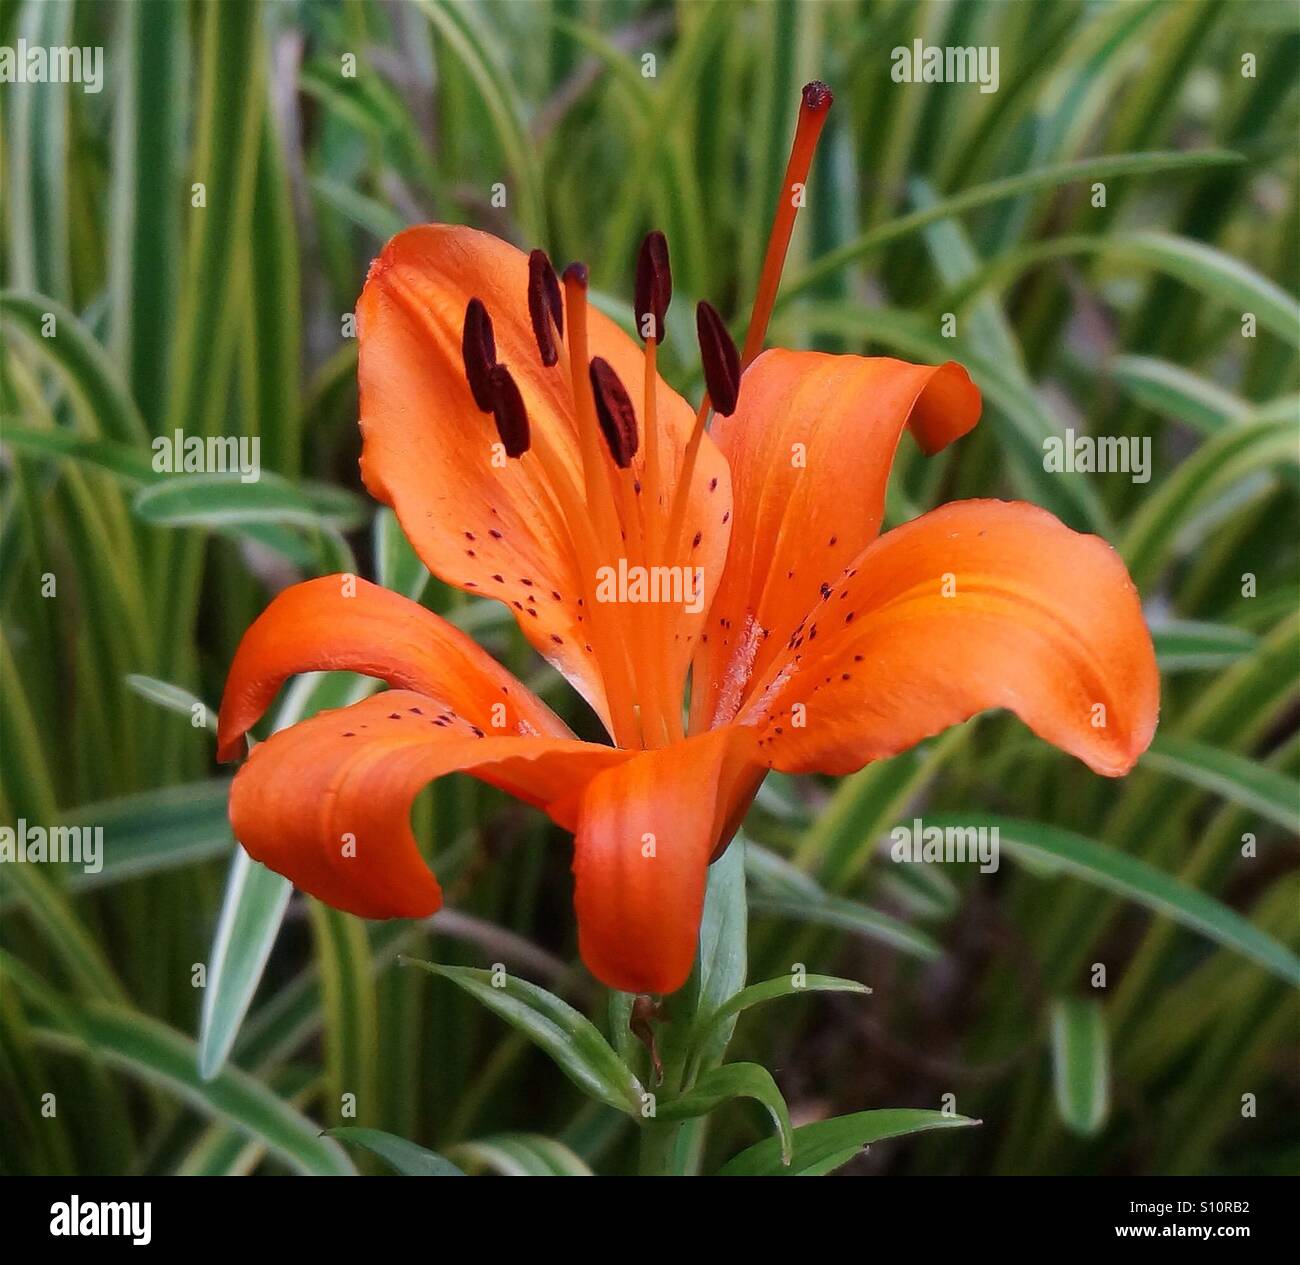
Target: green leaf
1217,465
225,500
782,986
80,363
826,1145
36,150
1246,782
1187,645
1080,1064
149,139
1050,178
256,898
173,698
472,46
161,1056
379,220
570,1039
521,1155
247,926
722,962
397,566
404,1157
1178,394
157,830
1051,850
129,463
350,1009
133,466
1216,275
735,1080
848,915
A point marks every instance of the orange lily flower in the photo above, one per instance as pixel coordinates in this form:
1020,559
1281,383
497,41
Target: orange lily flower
635,547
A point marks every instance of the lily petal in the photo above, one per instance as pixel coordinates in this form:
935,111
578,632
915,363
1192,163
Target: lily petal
646,831
327,802
497,528
343,623
810,448
978,604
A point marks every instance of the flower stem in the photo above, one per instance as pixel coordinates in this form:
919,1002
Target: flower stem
658,1147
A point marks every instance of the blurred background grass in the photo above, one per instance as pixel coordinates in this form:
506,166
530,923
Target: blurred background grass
128,312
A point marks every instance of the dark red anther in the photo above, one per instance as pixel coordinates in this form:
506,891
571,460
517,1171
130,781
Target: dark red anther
817,96
720,358
615,411
508,409
576,273
544,305
479,349
654,286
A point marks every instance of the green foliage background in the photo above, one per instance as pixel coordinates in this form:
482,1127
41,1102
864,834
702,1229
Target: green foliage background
1122,319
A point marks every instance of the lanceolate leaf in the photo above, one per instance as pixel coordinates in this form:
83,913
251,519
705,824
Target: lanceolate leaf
1215,274
1174,392
822,1147
1226,460
849,915
721,963
404,1157
161,1056
1053,850
1185,645
157,830
522,1155
735,1080
568,1037
256,899
226,500
173,698
1080,1064
254,906
1043,178
792,985
1252,785
80,362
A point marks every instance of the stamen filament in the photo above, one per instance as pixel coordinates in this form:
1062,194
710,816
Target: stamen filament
600,489
650,472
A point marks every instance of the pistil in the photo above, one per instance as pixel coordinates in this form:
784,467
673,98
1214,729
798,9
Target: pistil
816,105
